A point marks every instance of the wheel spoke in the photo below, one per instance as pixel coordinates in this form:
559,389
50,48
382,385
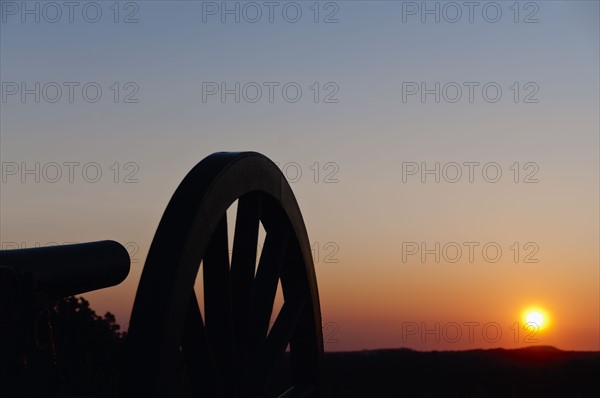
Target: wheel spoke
297,392
283,328
243,262
217,305
267,278
199,361
272,351
243,258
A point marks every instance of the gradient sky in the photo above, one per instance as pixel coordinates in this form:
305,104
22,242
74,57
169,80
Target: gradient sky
370,298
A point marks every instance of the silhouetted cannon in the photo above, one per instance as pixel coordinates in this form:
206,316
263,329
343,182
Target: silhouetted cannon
229,349
62,271
31,281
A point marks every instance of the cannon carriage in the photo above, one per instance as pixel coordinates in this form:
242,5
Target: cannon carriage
172,346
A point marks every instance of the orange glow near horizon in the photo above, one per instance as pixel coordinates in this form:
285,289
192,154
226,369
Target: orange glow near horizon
396,306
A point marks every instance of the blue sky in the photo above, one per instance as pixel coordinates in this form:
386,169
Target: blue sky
362,60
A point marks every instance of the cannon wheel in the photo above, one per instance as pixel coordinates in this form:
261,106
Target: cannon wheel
229,350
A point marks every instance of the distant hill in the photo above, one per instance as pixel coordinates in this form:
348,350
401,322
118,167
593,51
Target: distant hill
539,371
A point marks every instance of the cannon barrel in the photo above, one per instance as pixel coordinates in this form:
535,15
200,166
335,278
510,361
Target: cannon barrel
62,271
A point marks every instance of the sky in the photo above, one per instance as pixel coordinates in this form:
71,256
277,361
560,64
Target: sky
445,155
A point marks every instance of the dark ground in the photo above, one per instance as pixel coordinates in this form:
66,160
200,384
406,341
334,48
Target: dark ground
89,347
528,372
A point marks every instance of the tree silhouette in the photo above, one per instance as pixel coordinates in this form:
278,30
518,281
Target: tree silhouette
88,348
77,353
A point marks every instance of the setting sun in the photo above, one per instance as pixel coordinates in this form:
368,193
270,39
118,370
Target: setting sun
535,316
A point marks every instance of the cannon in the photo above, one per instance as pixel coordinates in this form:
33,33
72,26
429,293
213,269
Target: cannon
31,282
229,349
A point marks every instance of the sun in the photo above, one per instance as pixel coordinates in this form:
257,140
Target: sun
535,317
